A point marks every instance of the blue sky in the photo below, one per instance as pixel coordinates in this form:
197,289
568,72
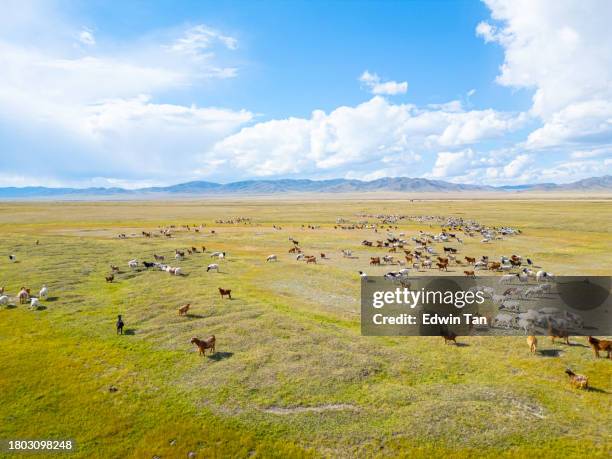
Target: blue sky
137,93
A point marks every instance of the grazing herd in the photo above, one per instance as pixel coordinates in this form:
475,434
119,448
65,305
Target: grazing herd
423,251
24,296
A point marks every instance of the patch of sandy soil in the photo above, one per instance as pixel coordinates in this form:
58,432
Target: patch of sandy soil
310,409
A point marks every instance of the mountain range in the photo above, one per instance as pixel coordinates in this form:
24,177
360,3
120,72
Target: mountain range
263,187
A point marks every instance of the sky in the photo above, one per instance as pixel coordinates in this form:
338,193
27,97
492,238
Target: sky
134,93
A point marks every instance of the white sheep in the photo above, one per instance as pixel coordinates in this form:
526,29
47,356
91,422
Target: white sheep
542,276
212,267
178,272
525,324
511,305
133,264
271,258
44,292
503,319
507,278
34,303
4,300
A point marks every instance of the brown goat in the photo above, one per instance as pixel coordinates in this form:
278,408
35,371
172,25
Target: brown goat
532,342
183,309
224,292
208,343
601,345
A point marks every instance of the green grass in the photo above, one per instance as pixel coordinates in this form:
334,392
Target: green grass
290,339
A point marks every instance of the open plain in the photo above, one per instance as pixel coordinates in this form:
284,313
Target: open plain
291,375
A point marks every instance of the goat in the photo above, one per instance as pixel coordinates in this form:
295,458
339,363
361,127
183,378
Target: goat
44,292
208,343
23,295
557,333
4,300
183,309
120,325
532,342
448,335
34,303
442,266
212,266
224,292
601,345
271,258
110,278
578,381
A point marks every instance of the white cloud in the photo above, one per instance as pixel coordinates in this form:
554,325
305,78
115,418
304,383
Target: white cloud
451,164
376,86
86,37
376,133
594,153
75,112
562,50
198,41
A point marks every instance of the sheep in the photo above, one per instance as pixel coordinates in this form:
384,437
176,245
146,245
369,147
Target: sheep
271,258
212,267
525,324
576,319
34,303
542,276
220,255
177,272
511,305
4,300
503,319
507,278
133,264
44,292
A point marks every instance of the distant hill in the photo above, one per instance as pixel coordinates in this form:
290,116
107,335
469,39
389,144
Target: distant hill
260,187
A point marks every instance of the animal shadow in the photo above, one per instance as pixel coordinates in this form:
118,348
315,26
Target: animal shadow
550,352
129,331
195,316
52,298
461,344
218,356
41,308
11,306
595,389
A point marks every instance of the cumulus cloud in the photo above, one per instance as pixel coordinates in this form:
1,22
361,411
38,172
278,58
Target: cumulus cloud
376,132
562,50
96,115
376,86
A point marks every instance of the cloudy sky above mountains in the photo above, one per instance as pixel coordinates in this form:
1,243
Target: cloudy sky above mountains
129,94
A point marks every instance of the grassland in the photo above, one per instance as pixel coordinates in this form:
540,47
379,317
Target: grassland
292,376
